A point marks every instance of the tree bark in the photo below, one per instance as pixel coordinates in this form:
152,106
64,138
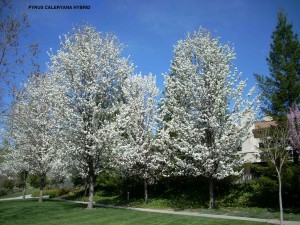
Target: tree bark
211,194
146,190
280,198
86,188
91,192
24,183
42,184
24,192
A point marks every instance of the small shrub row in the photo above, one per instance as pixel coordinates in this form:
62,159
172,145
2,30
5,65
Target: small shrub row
58,192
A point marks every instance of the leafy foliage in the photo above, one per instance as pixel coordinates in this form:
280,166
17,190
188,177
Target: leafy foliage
8,184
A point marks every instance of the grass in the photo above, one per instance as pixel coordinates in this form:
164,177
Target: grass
56,212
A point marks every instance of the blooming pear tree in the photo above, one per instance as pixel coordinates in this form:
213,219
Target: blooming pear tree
13,167
89,72
30,129
136,124
205,116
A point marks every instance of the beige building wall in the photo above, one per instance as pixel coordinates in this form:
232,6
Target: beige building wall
250,151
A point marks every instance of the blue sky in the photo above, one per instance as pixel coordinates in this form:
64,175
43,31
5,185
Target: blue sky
150,28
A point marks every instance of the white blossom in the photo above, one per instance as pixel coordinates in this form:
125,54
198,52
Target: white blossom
136,123
89,72
205,116
30,130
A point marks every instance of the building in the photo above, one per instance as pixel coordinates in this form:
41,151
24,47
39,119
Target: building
250,148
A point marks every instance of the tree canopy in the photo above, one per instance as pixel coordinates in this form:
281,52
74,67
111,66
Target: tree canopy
281,89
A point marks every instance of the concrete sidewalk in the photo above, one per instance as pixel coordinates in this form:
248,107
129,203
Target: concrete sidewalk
14,198
183,213
21,197
186,213
199,214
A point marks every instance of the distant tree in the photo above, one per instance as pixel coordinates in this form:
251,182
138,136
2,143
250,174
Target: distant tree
205,116
293,117
89,72
136,124
29,127
13,168
16,59
281,90
275,143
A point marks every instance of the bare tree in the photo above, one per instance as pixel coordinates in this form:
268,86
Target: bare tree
275,145
17,61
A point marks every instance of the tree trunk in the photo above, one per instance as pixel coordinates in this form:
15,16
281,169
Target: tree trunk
91,192
85,188
24,192
280,198
42,180
211,193
146,190
24,177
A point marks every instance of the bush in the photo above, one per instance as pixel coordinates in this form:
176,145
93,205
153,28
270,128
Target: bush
239,195
8,184
58,192
34,180
3,192
264,189
264,192
110,181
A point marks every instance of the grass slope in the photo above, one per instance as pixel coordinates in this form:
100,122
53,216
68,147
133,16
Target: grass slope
54,212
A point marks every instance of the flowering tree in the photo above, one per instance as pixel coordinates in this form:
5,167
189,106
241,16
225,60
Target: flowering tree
293,117
13,167
30,131
205,117
89,72
136,125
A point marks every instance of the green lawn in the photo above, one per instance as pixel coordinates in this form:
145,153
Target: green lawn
55,212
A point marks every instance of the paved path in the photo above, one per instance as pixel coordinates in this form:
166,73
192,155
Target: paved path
187,213
20,197
184,213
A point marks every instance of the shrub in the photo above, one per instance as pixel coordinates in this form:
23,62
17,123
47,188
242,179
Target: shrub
239,195
9,184
3,192
110,181
34,180
58,192
265,192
